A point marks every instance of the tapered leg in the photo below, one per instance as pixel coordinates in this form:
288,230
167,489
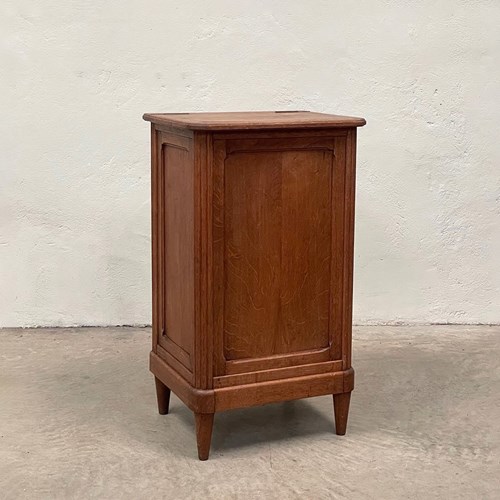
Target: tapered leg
163,396
341,410
204,424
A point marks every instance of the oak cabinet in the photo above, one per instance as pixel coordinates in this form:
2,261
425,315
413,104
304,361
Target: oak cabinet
252,236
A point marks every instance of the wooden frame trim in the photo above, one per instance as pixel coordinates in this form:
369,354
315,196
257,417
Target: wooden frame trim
175,363
203,260
277,361
197,400
280,134
242,396
175,350
277,373
348,253
154,234
337,249
256,394
217,251
177,131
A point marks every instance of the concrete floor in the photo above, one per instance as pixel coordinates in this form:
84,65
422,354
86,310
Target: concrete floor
78,420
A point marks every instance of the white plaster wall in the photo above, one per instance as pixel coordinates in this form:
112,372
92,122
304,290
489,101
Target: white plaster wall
76,76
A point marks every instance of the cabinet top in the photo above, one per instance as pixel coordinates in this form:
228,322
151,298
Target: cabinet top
254,120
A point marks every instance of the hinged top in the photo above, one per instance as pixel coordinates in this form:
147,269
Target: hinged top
253,120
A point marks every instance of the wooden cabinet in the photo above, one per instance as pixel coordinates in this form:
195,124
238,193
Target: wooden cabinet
253,226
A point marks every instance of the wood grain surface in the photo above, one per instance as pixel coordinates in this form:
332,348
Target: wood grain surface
256,120
253,234
177,203
277,251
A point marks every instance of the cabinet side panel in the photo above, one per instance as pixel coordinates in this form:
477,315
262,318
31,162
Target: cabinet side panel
277,251
177,181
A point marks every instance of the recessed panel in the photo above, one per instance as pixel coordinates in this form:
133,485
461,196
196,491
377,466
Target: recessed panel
178,258
277,237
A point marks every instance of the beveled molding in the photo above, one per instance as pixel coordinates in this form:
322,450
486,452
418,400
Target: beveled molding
251,394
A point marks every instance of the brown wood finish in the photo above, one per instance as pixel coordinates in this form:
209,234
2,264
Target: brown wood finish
277,374
253,233
204,423
163,396
276,249
341,409
177,218
155,235
257,120
247,394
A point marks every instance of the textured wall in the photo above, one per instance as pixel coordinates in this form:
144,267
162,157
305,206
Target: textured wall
76,77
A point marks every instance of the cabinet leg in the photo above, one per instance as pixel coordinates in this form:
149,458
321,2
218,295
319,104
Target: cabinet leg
341,410
163,396
204,424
